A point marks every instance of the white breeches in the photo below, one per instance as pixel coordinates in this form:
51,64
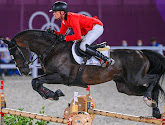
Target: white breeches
91,36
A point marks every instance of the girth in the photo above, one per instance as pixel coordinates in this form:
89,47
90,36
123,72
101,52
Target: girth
78,80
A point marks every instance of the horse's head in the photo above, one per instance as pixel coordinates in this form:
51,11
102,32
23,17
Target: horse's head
20,55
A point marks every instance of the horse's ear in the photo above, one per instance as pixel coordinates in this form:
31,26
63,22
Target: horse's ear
5,41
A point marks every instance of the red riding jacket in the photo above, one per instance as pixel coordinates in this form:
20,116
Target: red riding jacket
79,23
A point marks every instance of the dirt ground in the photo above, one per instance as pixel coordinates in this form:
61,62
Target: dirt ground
19,94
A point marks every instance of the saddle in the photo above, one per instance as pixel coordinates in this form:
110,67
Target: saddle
83,54
78,80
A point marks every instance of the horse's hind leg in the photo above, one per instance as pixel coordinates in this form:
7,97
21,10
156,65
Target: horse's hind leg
152,80
155,96
46,93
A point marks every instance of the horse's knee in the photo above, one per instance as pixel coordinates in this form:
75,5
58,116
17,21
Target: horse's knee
35,84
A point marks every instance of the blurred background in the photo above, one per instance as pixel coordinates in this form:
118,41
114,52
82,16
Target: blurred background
127,23
123,19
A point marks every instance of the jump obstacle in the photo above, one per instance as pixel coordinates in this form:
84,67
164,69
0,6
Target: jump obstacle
81,111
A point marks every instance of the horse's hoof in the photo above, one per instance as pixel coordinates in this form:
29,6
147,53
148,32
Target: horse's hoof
58,93
156,113
56,98
150,102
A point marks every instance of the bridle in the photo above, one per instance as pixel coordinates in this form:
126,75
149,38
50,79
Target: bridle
25,62
47,51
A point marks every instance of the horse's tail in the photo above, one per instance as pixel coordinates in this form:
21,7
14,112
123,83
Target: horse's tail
157,66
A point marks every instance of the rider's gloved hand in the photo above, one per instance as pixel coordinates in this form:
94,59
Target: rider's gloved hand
49,30
61,37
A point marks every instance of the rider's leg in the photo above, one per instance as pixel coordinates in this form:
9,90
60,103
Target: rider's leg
99,55
89,38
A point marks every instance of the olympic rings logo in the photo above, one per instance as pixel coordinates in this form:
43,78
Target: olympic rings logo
46,25
85,13
49,23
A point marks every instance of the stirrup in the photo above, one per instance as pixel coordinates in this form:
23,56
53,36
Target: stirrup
107,63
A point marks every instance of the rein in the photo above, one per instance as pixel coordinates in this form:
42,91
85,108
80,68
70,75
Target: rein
48,50
45,53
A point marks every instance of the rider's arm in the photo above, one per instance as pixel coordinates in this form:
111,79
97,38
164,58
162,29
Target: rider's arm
62,30
76,28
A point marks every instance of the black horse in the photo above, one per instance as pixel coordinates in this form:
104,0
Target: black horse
136,72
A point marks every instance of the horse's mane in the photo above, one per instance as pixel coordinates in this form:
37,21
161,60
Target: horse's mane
25,31
45,34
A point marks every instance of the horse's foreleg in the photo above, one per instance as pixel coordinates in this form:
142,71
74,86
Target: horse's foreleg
46,93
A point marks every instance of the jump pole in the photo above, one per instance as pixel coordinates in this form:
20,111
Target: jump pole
24,113
33,116
73,118
126,117
72,115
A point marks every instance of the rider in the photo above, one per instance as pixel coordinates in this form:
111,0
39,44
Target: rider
90,28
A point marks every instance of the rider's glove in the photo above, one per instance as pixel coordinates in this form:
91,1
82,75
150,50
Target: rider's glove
49,30
61,37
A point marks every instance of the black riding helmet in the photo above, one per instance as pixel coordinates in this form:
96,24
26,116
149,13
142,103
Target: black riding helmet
59,6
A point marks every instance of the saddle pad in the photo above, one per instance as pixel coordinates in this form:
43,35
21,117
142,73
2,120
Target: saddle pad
92,60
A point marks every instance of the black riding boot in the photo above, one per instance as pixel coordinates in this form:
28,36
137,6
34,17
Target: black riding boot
105,61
